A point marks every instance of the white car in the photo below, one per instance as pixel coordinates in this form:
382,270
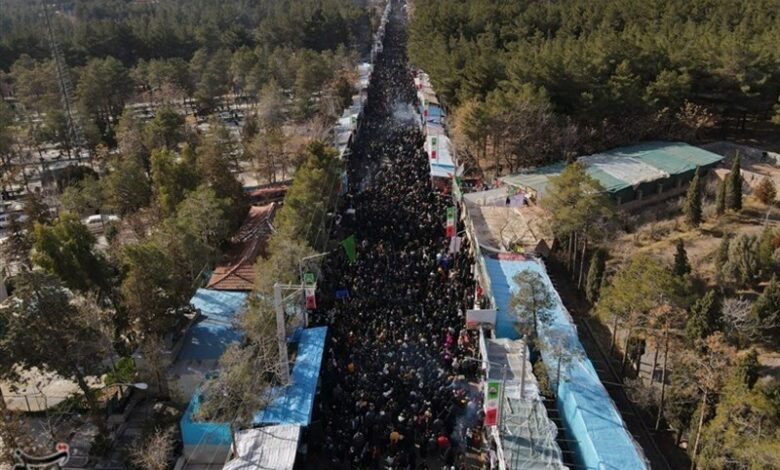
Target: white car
96,222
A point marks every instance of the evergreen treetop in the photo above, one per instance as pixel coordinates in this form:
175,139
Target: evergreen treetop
681,265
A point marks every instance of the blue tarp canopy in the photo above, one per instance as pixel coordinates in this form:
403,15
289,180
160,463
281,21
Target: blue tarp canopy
293,405
295,402
209,338
435,111
199,432
588,413
442,171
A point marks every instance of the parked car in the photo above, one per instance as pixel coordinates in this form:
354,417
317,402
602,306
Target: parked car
97,222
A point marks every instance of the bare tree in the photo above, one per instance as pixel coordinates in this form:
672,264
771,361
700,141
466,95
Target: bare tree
157,362
694,118
248,374
665,321
740,326
711,364
156,452
646,396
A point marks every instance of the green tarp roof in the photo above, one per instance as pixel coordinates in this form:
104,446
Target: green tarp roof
671,157
667,158
538,179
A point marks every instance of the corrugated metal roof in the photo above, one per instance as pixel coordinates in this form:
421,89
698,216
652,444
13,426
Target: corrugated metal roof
269,448
619,172
294,403
528,437
208,338
536,179
623,167
237,272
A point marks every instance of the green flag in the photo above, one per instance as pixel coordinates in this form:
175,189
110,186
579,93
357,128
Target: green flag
494,389
349,247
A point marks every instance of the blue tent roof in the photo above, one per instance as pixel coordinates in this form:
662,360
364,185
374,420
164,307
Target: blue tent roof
293,406
587,411
201,432
295,402
209,338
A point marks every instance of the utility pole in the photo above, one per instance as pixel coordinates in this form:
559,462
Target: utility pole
281,323
281,334
75,136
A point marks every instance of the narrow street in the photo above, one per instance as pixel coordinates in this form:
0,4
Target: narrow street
395,390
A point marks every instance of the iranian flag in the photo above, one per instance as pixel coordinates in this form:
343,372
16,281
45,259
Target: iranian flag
451,221
492,402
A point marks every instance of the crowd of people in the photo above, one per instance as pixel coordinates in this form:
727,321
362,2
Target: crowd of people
397,382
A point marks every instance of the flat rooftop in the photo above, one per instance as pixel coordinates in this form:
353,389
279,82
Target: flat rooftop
626,167
502,227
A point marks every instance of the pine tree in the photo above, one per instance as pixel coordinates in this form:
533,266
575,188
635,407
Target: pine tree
766,248
766,309
743,264
703,319
693,201
720,196
595,276
681,264
18,243
722,255
734,190
747,368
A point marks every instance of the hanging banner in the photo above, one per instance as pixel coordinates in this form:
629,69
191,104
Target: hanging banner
309,280
310,290
342,294
455,245
492,402
311,298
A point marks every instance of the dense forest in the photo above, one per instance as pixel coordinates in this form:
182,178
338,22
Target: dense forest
134,30
120,52
599,72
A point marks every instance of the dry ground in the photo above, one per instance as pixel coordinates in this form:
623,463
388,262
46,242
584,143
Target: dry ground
659,233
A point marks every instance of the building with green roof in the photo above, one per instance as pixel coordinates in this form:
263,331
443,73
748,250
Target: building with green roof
637,174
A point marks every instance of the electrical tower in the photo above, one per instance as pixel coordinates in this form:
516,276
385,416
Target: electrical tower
75,136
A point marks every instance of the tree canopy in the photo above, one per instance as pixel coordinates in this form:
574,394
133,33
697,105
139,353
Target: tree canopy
532,303
46,328
65,249
619,71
